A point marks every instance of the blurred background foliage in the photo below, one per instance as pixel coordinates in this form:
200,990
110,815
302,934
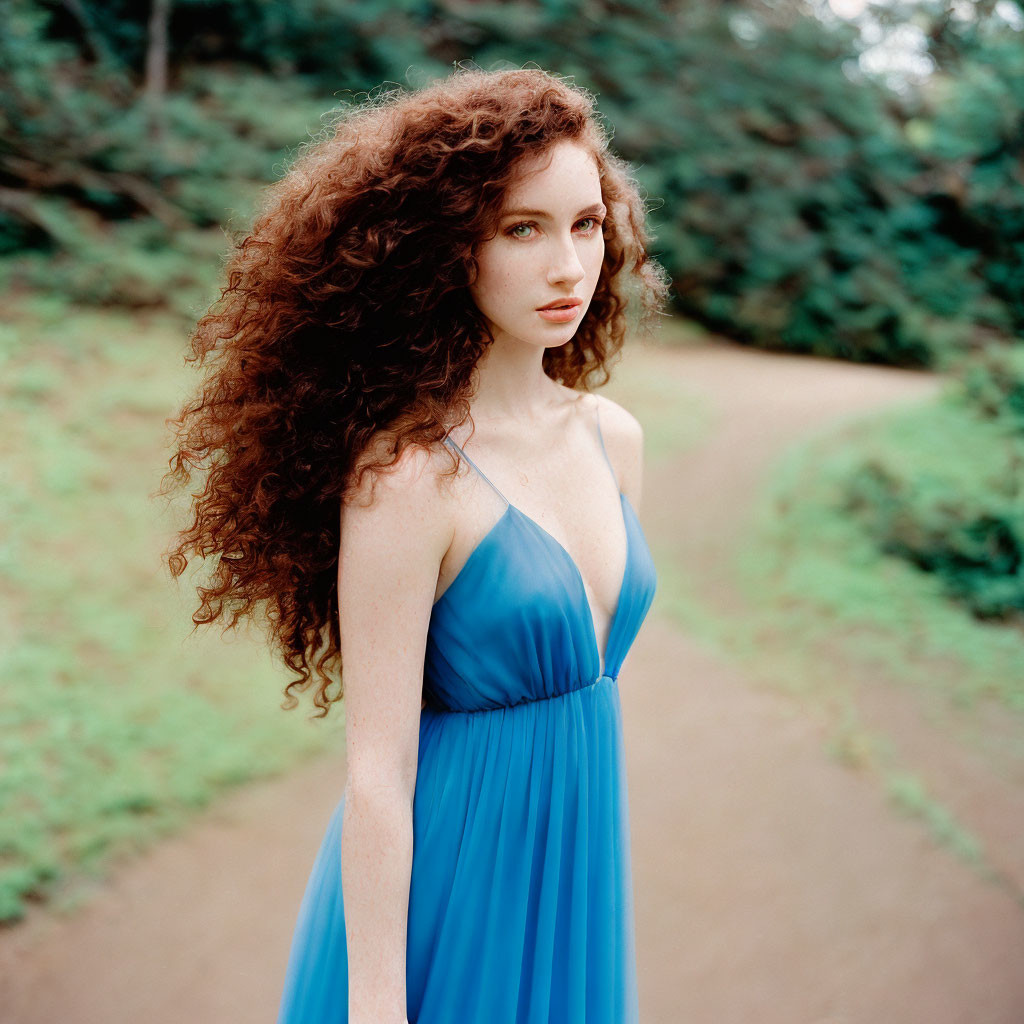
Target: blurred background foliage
801,202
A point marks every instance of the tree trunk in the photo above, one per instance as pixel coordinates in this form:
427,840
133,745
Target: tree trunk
156,66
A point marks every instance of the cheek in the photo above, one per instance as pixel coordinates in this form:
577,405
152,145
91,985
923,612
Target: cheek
495,280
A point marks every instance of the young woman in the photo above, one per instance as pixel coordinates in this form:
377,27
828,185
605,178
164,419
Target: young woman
407,464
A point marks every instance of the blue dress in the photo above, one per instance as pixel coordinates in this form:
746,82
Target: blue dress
520,899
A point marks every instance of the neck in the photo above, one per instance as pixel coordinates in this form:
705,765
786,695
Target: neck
511,383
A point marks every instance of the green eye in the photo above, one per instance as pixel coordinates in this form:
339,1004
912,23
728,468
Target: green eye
592,221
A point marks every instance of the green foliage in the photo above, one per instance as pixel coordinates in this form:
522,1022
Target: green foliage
126,263
909,793
992,386
821,592
119,224
968,127
798,203
797,214
960,513
975,543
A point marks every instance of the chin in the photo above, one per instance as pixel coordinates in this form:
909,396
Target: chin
559,342
546,339
553,338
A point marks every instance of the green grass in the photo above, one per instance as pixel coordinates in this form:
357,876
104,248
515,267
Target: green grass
820,591
116,724
911,796
819,580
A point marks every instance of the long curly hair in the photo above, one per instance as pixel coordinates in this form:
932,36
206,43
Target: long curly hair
347,318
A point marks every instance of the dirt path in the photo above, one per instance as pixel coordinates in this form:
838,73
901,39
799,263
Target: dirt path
772,885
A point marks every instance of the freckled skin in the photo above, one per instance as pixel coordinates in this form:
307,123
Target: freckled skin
534,260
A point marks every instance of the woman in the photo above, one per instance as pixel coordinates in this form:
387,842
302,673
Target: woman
459,255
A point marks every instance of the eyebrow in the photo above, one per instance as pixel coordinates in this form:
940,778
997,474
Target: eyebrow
592,209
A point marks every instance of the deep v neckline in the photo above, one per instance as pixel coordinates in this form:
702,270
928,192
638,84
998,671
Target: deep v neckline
601,657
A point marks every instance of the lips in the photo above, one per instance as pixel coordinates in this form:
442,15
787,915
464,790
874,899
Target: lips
562,303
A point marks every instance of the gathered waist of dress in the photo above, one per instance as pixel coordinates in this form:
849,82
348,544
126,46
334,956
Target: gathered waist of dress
440,709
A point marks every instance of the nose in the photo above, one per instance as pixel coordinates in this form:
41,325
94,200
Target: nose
564,264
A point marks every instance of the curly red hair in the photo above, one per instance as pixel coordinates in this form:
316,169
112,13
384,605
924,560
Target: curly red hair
347,317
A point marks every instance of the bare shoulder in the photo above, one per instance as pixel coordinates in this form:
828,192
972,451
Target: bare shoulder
618,421
413,479
624,440
402,512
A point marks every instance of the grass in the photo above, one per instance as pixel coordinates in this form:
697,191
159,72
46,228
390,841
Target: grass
909,793
116,724
816,585
817,578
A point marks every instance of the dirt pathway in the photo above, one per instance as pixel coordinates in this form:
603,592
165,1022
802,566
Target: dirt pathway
772,885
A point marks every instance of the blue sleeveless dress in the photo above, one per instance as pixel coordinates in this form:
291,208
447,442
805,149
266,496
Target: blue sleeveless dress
520,900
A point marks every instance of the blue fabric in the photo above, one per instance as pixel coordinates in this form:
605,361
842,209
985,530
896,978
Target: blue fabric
520,900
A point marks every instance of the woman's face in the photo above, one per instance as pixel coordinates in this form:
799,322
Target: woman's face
549,247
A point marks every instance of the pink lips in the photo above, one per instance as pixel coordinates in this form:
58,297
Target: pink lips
560,316
561,310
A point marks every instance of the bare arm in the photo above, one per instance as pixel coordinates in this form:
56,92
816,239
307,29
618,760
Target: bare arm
388,565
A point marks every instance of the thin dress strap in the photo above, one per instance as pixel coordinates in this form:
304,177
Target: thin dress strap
600,437
449,441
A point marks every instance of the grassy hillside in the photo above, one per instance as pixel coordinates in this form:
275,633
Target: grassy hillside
115,723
